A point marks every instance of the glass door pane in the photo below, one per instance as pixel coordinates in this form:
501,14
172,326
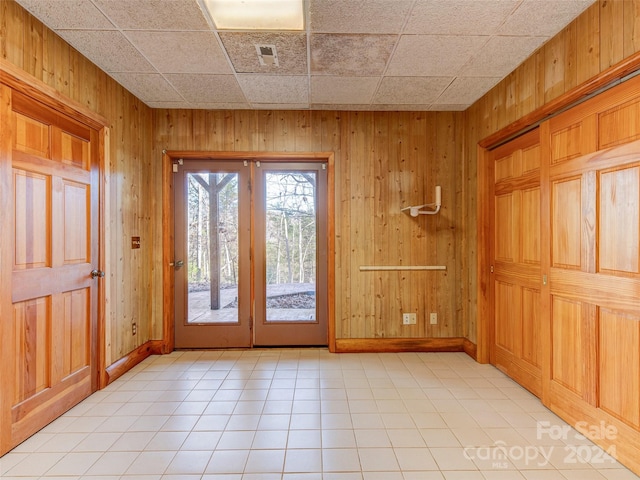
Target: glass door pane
290,246
212,246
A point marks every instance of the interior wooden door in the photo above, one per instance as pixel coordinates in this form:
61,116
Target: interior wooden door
49,235
515,246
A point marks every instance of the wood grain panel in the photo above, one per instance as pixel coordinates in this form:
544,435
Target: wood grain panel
566,143
566,223
530,226
506,232
531,159
31,220
508,317
31,136
31,332
76,221
568,356
620,124
619,220
74,150
76,328
504,168
531,327
619,387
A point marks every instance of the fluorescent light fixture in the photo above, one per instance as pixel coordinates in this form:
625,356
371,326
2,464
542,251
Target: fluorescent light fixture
256,14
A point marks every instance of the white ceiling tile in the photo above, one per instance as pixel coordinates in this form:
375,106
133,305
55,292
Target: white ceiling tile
280,106
290,47
166,104
458,17
543,17
350,107
433,55
466,90
410,90
501,55
207,88
108,49
68,14
154,14
275,88
358,16
343,90
449,108
181,52
148,87
350,54
221,106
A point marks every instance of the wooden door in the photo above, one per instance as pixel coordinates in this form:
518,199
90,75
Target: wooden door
49,237
515,249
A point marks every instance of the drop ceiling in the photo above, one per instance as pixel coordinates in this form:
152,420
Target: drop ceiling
352,55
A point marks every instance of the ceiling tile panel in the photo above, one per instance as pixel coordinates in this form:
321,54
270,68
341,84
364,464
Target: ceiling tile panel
466,90
542,17
358,16
429,55
349,55
410,90
446,17
181,52
110,50
154,14
68,14
290,47
343,90
207,88
500,55
275,88
148,87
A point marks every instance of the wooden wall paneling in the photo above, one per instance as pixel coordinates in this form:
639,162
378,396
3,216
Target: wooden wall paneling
570,56
611,33
588,44
555,67
631,27
32,59
12,26
343,311
383,222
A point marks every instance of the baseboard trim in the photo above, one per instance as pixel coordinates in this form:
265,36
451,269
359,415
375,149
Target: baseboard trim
126,363
470,348
380,345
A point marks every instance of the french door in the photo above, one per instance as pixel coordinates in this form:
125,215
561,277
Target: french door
250,254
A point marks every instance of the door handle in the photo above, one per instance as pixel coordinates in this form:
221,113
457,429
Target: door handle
179,264
97,274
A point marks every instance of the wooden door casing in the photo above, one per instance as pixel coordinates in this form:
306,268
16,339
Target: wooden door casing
50,169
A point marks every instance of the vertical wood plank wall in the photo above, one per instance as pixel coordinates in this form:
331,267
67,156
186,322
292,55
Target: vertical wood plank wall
605,34
384,161
135,284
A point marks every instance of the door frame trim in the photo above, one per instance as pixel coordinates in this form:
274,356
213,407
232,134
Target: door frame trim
168,225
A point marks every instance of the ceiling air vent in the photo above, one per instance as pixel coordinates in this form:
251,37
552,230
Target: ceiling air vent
267,55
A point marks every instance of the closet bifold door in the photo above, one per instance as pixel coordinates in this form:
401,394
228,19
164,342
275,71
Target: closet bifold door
515,256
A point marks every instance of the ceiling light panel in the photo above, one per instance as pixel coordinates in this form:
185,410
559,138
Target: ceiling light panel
256,14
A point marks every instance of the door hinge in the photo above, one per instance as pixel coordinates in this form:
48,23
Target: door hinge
324,166
491,269
177,164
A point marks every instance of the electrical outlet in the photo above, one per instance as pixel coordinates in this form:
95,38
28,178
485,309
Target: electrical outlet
433,318
134,328
408,318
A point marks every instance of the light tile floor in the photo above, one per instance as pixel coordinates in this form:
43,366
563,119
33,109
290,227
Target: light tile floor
306,414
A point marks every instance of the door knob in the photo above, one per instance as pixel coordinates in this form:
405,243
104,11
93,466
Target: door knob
97,274
179,264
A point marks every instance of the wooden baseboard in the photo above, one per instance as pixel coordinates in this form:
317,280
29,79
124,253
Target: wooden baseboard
380,345
470,348
126,363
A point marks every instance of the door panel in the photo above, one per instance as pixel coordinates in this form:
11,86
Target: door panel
213,288
291,254
515,247
50,342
